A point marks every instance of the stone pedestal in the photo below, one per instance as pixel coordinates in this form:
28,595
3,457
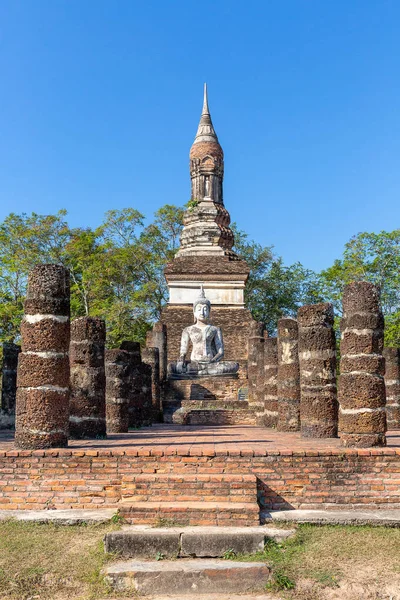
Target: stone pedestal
392,384
317,357
87,418
9,385
42,410
362,416
270,418
288,381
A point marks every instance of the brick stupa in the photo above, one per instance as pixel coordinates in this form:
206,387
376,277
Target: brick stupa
205,256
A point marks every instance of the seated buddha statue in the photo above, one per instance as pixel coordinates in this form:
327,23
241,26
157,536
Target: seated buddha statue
207,345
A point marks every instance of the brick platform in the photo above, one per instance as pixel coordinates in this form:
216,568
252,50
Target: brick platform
167,464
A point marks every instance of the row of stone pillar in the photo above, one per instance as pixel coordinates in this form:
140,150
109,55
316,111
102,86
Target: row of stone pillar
68,384
292,378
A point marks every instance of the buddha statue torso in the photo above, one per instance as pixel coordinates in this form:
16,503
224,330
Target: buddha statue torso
207,346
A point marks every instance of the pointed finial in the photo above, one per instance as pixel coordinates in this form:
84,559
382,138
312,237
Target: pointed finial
205,131
206,110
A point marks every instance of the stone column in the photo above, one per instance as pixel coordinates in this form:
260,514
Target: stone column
270,381
255,359
392,384
9,385
151,357
87,416
317,357
117,368
157,338
288,380
42,409
362,417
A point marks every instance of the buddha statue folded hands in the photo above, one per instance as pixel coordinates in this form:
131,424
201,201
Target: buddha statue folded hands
207,346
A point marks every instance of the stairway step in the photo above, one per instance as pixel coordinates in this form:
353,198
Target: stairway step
190,513
141,541
191,577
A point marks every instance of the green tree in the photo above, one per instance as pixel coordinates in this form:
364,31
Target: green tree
273,289
373,257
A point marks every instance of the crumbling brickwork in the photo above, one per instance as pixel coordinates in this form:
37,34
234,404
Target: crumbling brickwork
392,384
139,387
42,409
288,381
9,384
317,358
87,418
151,357
270,418
255,366
362,416
117,368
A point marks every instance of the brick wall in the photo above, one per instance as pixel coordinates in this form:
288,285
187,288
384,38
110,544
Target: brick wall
72,478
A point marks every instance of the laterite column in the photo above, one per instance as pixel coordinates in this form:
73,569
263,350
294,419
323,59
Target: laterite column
270,381
87,416
392,384
157,338
9,384
255,360
117,366
42,410
288,381
317,357
151,357
362,416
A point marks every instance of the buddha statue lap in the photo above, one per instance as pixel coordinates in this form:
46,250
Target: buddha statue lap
207,346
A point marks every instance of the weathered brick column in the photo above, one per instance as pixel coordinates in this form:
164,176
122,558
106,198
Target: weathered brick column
42,409
255,366
9,384
151,357
317,358
157,338
392,384
117,367
362,416
288,380
87,416
270,381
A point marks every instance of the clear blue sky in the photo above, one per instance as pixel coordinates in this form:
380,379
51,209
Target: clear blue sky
100,101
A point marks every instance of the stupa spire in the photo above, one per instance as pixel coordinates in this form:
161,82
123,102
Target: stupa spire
205,130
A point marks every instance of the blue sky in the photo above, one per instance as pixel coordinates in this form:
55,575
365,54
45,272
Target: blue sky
100,101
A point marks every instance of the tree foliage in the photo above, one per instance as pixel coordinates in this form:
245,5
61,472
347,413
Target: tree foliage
117,271
273,289
373,257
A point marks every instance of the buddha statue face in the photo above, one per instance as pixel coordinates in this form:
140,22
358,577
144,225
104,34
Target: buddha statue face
201,312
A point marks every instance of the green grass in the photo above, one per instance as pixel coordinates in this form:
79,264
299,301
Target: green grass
330,555
52,562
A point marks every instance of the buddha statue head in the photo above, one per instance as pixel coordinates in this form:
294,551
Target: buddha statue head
201,308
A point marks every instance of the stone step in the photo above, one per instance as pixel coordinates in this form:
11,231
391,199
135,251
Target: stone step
190,513
192,577
201,542
189,487
344,516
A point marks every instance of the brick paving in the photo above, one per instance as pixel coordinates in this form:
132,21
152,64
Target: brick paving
207,441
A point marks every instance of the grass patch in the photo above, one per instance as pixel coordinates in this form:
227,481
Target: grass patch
52,562
329,555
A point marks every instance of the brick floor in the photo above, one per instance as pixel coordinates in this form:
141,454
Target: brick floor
206,441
